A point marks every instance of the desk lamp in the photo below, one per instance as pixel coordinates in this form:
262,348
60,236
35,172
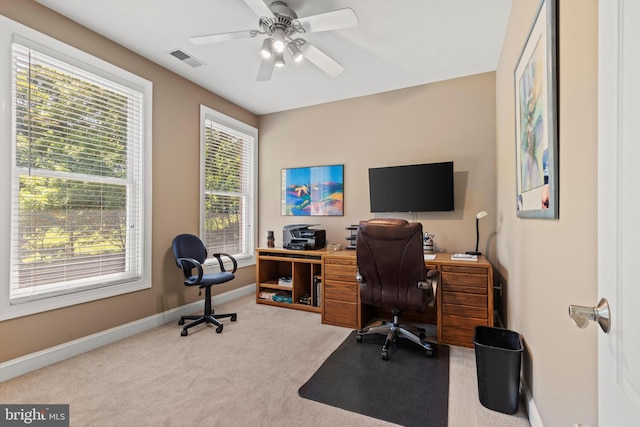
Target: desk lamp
479,215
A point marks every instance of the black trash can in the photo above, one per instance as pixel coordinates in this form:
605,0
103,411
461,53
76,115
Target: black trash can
498,361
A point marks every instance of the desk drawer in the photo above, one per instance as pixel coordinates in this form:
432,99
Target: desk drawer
464,280
460,330
467,269
340,272
342,291
330,262
340,277
464,311
451,288
340,313
461,298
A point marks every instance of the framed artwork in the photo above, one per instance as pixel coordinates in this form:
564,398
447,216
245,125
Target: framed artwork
313,191
535,78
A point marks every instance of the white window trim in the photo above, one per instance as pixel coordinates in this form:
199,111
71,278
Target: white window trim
237,125
8,31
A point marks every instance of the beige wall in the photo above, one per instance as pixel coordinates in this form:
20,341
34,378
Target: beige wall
176,138
450,120
550,264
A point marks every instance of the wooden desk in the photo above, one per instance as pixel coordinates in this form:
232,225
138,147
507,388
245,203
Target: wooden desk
464,297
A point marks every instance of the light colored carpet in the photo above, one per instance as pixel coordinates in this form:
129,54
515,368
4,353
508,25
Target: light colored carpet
248,375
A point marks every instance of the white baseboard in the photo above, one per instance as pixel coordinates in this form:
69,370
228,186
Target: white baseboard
532,410
31,362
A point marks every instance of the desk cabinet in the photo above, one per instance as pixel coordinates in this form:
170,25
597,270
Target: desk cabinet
465,300
341,290
303,268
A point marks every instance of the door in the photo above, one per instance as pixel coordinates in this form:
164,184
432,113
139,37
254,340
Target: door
619,210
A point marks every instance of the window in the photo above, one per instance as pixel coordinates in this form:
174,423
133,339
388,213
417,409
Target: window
228,185
80,192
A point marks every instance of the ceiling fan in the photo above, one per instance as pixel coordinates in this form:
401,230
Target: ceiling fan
281,25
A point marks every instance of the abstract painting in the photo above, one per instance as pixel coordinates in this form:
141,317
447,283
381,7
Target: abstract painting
313,191
536,119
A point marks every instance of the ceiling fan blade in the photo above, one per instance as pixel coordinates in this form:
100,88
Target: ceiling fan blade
260,8
266,69
321,60
341,18
223,37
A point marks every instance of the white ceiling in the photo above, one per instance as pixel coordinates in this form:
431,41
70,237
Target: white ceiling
397,44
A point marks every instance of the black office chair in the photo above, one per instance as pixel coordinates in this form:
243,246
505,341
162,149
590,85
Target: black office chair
190,254
393,276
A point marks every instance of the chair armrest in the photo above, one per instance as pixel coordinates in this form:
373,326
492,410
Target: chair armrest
430,285
219,256
186,270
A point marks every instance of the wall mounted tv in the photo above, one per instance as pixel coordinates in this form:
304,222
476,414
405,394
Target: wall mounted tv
412,188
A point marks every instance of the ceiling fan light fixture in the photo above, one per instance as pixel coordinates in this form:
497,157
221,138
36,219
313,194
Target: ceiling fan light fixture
294,51
278,40
279,59
278,27
267,48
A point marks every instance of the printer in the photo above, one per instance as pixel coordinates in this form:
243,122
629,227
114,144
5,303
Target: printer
300,237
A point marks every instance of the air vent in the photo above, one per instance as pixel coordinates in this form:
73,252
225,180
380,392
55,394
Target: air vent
186,58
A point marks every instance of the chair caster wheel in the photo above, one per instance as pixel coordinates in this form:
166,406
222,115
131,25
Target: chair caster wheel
181,322
219,329
422,335
358,338
184,332
234,318
385,355
430,353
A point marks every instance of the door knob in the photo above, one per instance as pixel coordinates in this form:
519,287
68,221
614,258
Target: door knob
600,313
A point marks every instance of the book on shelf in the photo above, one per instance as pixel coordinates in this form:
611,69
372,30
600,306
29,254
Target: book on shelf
317,291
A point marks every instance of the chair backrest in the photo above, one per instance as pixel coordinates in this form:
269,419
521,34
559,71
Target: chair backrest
189,246
391,263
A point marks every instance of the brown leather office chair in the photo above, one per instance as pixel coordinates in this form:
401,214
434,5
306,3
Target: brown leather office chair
393,276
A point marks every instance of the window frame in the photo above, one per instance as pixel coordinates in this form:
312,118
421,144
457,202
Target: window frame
249,258
10,32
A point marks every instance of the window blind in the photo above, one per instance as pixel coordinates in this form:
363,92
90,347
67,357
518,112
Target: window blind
77,205
228,210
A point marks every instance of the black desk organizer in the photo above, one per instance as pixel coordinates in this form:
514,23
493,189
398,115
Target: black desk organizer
353,235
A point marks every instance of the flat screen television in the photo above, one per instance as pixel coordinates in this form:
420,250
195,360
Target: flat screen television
412,188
